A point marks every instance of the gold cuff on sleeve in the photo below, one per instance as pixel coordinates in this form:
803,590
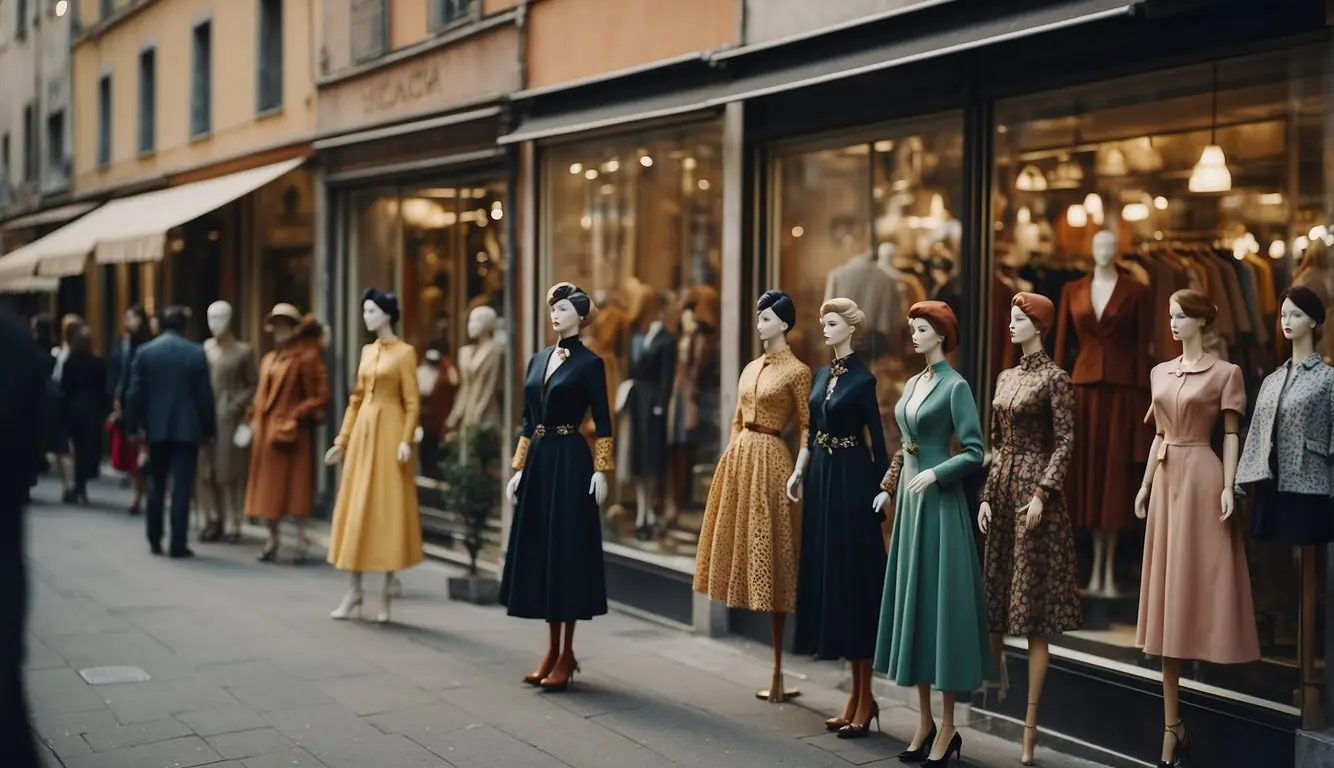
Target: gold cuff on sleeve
890,483
520,454
604,454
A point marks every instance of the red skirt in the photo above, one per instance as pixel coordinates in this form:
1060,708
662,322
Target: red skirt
124,454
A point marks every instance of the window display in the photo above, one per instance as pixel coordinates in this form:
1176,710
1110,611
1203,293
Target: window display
1109,198
636,221
441,248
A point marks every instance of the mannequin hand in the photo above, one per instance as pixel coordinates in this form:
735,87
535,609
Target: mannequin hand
418,434
922,481
794,487
597,487
404,453
513,487
657,410
1034,515
1142,502
1229,503
333,455
984,516
623,394
881,500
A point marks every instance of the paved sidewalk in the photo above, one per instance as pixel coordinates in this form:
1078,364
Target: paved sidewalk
246,670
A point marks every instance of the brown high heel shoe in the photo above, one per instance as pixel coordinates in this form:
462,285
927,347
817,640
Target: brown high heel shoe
535,678
561,677
861,730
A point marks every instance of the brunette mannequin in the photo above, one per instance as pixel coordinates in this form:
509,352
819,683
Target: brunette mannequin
553,564
220,487
1187,498
376,525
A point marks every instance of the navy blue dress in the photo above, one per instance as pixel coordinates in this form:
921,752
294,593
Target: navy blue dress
842,571
553,565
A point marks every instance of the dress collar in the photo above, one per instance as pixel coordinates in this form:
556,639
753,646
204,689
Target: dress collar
570,342
1199,366
940,366
1034,361
1309,362
380,342
839,365
773,357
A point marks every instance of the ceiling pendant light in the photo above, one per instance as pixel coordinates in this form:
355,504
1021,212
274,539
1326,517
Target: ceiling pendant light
1031,180
1135,212
1076,216
1068,174
1210,173
1093,204
1113,163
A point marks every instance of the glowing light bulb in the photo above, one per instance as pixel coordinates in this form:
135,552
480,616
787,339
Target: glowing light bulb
1077,216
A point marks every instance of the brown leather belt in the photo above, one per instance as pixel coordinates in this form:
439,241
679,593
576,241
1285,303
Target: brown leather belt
763,430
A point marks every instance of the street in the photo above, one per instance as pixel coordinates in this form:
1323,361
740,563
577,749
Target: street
236,664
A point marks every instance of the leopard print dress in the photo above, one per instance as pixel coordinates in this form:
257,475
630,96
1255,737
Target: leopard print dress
747,547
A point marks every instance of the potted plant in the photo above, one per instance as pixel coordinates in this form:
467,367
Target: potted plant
472,489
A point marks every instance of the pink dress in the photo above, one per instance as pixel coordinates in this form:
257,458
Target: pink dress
1195,589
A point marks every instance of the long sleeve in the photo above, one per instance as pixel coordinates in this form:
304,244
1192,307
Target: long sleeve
737,422
989,487
205,404
666,375
527,426
801,394
890,482
968,428
604,449
1062,395
248,379
870,413
315,387
136,396
411,393
353,406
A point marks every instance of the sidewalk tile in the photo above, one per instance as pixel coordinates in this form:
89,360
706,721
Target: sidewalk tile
159,699
125,648
243,744
292,758
121,736
375,694
66,747
424,723
690,737
219,720
272,695
73,724
178,753
485,747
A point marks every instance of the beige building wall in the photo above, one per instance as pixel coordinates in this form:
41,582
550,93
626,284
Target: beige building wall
770,20
575,39
34,69
407,24
113,46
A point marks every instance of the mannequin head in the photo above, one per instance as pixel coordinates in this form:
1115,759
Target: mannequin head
688,324
481,322
1031,316
934,327
1104,247
840,320
219,318
283,322
569,307
1302,314
774,315
379,311
1192,312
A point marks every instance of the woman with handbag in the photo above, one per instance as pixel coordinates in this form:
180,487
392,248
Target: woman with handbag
125,453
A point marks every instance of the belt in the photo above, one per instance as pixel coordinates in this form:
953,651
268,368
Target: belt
763,430
1182,443
910,449
562,430
830,442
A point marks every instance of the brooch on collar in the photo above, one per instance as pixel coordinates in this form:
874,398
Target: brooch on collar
562,353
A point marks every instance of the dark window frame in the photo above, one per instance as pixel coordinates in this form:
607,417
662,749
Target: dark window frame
269,71
201,78
31,151
447,14
57,154
105,96
147,106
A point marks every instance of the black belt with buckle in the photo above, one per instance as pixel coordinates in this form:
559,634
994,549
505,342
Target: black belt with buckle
830,442
562,430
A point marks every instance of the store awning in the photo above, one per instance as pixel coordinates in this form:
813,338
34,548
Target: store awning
30,284
1006,27
57,215
613,114
134,229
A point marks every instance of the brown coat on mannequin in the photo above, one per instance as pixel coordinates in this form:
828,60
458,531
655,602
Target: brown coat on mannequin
292,394
1114,348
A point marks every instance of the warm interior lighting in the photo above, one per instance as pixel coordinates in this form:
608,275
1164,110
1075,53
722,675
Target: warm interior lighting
646,161
591,174
1160,203
1211,173
1068,174
1273,198
1278,249
1114,163
1135,212
1077,216
1031,180
1023,216
576,169
1318,232
798,231
1093,204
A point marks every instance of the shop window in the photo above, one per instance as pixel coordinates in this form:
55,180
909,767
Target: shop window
201,82
147,100
874,221
269,86
104,121
636,222
1209,177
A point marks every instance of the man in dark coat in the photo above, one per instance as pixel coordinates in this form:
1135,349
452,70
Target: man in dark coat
23,383
170,402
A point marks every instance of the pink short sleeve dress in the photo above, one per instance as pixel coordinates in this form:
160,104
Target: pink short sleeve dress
1195,589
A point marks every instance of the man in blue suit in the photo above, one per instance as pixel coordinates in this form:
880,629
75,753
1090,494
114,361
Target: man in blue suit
170,402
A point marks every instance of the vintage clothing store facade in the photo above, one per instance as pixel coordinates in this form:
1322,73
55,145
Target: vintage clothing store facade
677,193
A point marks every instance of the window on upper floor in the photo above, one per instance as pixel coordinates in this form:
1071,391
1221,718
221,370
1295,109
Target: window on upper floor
21,23
104,121
147,100
446,13
201,81
105,8
269,85
55,145
29,142
4,161
370,29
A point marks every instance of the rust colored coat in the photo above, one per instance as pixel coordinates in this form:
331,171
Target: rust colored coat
292,394
1114,348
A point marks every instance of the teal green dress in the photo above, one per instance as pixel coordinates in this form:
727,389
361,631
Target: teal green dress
933,623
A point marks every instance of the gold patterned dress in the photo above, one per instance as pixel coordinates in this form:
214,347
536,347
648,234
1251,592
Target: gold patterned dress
747,548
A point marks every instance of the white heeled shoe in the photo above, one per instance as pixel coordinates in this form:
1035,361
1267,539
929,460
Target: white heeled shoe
395,588
350,606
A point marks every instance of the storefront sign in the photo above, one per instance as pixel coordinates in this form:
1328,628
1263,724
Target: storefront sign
401,89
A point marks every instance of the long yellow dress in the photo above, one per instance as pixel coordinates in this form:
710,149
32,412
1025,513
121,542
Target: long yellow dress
376,522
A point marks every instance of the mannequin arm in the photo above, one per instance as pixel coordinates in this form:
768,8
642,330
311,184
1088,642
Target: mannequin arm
1062,396
604,453
890,483
412,403
353,408
737,423
969,431
526,428
1231,447
989,486
801,394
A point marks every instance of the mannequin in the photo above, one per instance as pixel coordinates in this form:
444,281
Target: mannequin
1031,573
1110,320
843,554
933,618
748,520
553,563
1284,462
693,402
290,398
220,487
376,522
479,369
647,393
1203,611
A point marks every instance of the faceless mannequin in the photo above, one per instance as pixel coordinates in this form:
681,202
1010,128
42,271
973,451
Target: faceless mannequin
220,486
478,371
1104,270
1102,582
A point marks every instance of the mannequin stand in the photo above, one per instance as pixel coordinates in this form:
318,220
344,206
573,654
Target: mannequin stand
645,517
1102,581
777,692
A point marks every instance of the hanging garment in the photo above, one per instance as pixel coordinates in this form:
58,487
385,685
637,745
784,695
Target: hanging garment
652,368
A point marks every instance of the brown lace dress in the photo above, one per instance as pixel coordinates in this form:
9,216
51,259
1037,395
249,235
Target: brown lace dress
1031,577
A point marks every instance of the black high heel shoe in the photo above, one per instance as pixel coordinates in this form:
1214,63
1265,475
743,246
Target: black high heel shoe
920,754
862,730
955,748
1180,750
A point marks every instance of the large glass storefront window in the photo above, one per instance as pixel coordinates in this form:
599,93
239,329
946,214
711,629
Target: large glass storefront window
873,220
442,249
636,221
1209,177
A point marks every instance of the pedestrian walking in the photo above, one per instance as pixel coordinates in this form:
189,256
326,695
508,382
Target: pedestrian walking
170,404
24,380
124,449
83,400
59,420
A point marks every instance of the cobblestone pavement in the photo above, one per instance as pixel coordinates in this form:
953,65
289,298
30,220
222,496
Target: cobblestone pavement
244,668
